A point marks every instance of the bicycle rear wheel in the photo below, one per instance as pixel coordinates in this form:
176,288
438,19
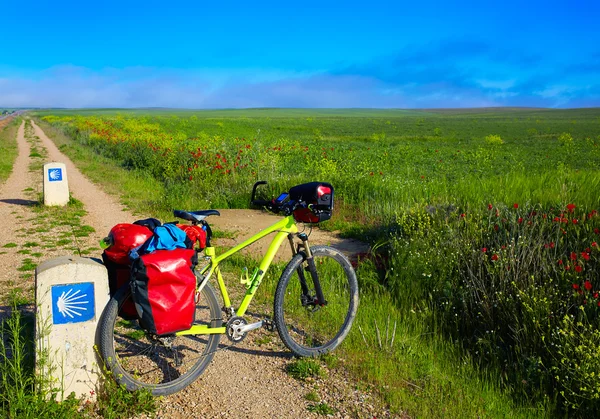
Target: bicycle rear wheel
164,365
307,328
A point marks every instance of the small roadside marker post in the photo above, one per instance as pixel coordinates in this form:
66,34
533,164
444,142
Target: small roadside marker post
71,293
56,184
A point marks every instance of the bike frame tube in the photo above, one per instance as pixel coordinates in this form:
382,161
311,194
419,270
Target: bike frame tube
283,228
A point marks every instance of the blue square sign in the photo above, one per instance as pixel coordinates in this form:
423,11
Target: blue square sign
55,175
73,303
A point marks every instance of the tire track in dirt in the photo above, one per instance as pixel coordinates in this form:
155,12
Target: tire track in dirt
245,381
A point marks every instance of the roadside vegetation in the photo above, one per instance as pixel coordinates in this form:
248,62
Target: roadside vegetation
480,296
8,143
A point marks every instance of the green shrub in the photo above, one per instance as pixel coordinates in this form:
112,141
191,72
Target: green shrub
494,140
505,281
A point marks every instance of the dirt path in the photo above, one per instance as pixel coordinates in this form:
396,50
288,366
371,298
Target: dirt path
245,381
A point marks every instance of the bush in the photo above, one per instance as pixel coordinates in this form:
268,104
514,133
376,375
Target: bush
494,140
518,287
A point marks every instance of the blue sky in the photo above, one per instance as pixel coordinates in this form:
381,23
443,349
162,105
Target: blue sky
376,54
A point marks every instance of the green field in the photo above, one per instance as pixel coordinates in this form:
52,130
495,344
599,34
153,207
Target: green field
483,223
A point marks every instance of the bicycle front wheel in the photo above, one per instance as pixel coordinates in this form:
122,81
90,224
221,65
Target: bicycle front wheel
164,365
306,327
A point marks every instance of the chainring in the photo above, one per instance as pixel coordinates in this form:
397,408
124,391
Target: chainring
232,329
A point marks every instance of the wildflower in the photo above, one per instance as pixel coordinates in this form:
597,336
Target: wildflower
594,244
515,205
588,285
597,231
596,295
463,215
190,177
484,249
573,256
567,268
494,257
490,206
578,268
552,245
560,262
575,221
575,286
571,207
520,220
585,255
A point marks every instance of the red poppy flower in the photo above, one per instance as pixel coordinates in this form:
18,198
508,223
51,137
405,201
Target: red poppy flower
585,255
463,215
597,231
571,207
594,244
520,220
484,249
575,286
560,262
567,268
595,295
494,257
578,268
490,206
552,245
515,205
575,221
588,285
190,177
573,256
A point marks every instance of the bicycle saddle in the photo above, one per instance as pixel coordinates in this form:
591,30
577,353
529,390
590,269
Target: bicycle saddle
194,215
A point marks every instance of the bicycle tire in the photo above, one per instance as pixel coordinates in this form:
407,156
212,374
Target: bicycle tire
138,359
310,331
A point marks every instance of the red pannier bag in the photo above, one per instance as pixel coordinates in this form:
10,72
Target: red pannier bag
163,287
195,233
123,238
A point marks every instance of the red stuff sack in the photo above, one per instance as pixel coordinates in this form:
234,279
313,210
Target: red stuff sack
195,233
122,238
163,287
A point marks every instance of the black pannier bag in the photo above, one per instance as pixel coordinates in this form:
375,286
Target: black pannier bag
318,196
163,287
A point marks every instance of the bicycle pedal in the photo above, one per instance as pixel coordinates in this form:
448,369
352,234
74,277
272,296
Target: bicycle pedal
269,325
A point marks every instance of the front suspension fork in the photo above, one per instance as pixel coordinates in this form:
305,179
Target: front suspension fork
312,268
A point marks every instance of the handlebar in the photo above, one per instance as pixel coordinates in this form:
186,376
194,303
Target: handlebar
281,204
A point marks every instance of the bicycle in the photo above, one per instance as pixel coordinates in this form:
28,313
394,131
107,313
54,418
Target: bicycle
315,303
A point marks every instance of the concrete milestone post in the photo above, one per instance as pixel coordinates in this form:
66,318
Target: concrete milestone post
56,184
71,293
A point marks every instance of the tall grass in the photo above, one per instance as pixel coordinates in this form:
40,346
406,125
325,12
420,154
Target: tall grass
8,141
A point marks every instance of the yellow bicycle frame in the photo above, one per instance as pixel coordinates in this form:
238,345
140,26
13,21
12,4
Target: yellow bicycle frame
283,228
